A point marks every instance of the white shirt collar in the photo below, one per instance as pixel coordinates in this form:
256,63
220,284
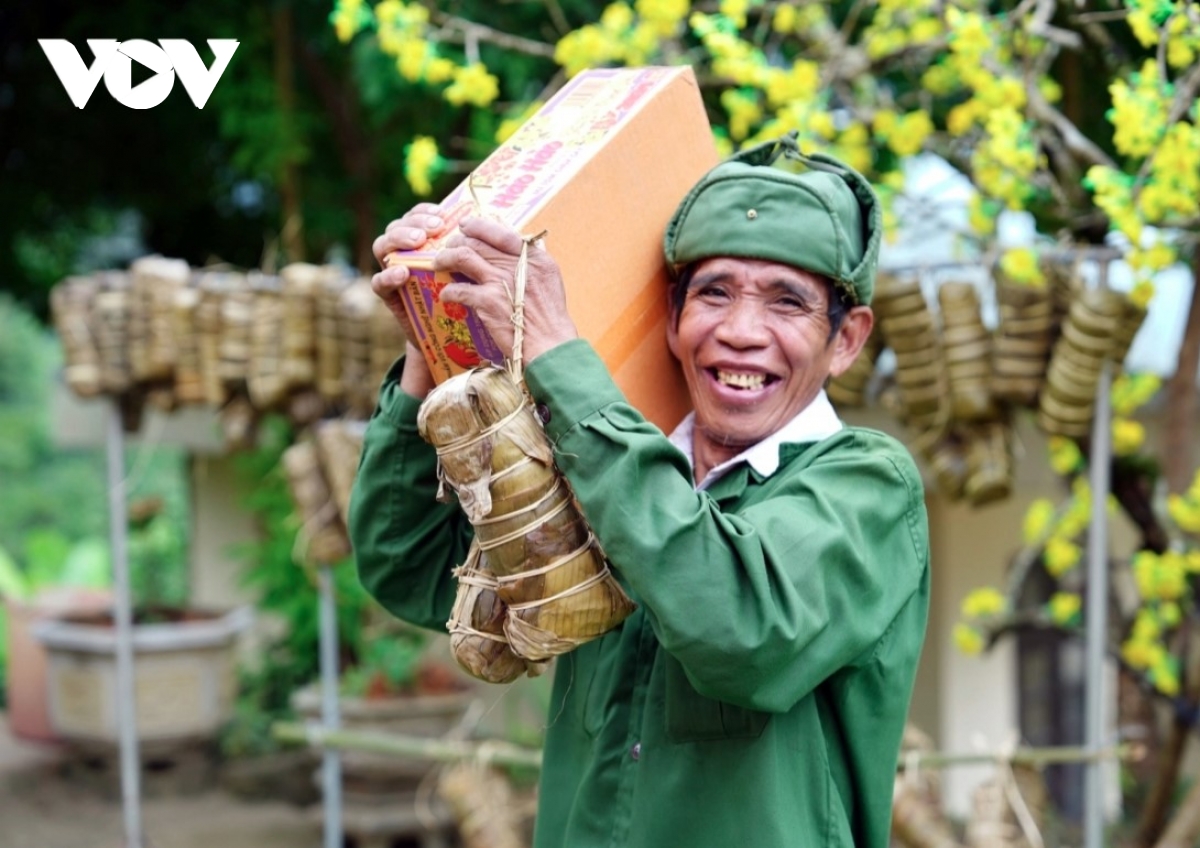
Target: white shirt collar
816,421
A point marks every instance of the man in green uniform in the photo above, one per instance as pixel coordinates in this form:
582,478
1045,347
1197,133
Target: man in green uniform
780,559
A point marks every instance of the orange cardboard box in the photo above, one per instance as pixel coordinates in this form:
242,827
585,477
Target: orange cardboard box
600,167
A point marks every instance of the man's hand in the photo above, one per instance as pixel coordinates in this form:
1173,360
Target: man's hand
408,233
488,252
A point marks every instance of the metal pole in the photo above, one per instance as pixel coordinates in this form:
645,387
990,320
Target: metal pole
126,707
1097,603
331,760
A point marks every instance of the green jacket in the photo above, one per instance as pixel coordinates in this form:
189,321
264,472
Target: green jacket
757,695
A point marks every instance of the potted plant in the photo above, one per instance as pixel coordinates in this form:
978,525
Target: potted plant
61,580
183,657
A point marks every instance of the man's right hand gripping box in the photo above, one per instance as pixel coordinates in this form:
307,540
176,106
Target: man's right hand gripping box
600,167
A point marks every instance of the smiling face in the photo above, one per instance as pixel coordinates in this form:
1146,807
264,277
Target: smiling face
753,339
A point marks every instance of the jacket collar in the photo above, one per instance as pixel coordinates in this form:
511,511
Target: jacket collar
815,422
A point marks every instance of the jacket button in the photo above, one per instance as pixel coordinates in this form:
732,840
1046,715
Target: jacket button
543,413
636,751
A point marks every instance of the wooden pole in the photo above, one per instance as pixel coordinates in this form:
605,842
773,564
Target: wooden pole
441,750
126,704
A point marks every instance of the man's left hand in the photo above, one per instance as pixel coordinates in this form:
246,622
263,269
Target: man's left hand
488,252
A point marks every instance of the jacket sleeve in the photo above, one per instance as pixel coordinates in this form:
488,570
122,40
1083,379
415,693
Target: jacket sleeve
759,606
405,542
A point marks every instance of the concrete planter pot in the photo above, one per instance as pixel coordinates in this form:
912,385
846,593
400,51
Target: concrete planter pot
183,676
28,713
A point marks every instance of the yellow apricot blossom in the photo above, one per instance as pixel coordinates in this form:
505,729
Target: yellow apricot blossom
1164,674
664,15
940,79
1020,264
785,18
1185,512
1060,556
472,84
421,163
514,122
586,47
925,29
1141,293
1139,113
800,82
743,109
1039,518
411,56
964,116
1170,614
735,10
969,33
909,134
348,19
984,603
1142,25
1128,436
969,640
1161,577
1130,392
1064,608
981,215
1065,456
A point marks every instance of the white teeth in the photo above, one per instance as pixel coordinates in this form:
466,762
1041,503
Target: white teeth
741,381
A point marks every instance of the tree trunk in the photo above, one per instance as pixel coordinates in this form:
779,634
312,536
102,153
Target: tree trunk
292,228
1158,802
354,148
1177,462
1184,831
1179,428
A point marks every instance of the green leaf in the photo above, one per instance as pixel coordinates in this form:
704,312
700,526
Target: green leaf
88,565
13,584
45,552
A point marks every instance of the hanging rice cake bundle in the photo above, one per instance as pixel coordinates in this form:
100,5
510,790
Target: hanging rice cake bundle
301,282
906,324
947,459
1133,315
849,389
264,373
110,316
189,376
551,571
237,322
1088,337
239,423
156,279
323,538
207,320
329,353
355,307
476,625
71,306
967,345
989,463
339,446
1024,337
485,808
387,344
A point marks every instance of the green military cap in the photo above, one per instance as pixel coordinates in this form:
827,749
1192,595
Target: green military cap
826,219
